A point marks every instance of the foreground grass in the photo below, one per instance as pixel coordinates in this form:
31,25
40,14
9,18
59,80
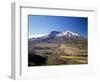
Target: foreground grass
75,59
72,57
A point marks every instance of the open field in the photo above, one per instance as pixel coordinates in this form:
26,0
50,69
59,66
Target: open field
76,59
56,54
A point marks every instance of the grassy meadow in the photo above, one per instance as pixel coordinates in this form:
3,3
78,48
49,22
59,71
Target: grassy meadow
57,54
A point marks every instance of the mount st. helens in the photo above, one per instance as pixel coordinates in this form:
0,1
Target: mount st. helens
57,48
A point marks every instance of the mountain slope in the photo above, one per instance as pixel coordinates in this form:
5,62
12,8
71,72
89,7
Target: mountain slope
66,37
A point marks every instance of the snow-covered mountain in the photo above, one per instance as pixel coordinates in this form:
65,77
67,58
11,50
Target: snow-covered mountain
56,34
57,37
66,33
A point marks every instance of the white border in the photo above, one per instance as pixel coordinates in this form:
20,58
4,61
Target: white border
20,69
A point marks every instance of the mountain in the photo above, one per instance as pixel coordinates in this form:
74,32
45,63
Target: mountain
66,33
57,37
55,34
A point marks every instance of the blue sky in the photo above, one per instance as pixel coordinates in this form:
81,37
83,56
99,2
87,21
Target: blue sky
41,25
